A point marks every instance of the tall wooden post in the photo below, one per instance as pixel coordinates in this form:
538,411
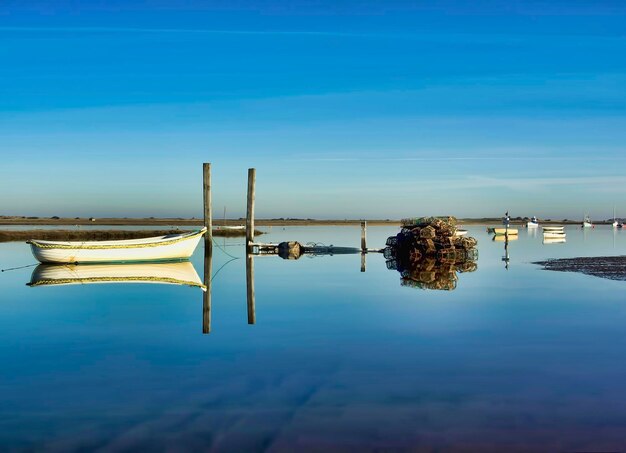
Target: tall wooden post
206,297
363,235
363,244
250,210
250,288
208,215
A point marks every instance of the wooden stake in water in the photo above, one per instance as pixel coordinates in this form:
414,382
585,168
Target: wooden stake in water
206,297
363,236
250,288
250,210
208,215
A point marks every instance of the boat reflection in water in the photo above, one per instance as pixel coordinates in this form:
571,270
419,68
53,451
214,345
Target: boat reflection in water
173,273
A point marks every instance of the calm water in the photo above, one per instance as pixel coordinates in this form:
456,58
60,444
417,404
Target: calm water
512,359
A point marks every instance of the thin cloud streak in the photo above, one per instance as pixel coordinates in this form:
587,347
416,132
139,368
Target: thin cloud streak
176,30
476,38
478,158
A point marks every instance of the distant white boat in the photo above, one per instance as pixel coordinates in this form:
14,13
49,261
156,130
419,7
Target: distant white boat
587,222
161,248
553,228
173,273
532,223
230,227
616,223
460,233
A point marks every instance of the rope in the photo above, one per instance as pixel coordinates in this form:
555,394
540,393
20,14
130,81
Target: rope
222,267
15,268
223,250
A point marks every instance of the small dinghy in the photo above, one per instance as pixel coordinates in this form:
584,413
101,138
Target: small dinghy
505,231
162,248
553,228
174,273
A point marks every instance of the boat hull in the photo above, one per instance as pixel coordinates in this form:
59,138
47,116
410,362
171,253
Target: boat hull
553,228
503,231
163,248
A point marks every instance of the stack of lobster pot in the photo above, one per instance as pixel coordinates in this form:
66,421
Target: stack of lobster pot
428,253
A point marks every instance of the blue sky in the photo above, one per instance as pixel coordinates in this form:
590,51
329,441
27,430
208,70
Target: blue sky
347,109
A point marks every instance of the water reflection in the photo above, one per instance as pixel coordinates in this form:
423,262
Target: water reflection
250,296
206,297
173,273
506,238
436,273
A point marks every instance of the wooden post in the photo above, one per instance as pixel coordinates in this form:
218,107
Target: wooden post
250,288
363,258
208,215
363,233
206,297
250,210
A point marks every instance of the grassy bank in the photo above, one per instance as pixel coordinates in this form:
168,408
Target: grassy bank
101,235
169,222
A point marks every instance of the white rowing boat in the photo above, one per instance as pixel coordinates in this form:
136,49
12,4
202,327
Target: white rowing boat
507,231
460,233
161,248
553,228
173,273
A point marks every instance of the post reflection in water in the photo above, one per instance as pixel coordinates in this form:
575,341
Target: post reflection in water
206,297
250,288
506,238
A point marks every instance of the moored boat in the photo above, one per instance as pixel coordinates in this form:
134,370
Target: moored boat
532,223
161,248
507,231
587,222
173,273
460,233
553,228
617,223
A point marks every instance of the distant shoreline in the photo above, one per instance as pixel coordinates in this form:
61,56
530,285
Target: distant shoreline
166,222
